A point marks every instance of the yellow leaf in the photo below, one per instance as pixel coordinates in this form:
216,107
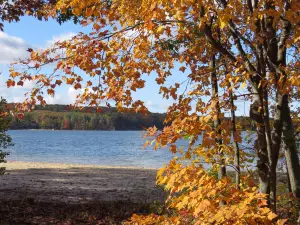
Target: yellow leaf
243,85
202,206
160,29
282,221
222,24
271,216
259,109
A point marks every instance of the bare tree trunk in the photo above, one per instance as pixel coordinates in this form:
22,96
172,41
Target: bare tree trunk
291,153
259,113
234,134
288,178
260,145
217,122
270,151
235,144
271,50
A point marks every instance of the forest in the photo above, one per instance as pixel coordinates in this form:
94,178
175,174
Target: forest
58,117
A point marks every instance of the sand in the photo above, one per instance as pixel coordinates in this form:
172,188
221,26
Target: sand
75,183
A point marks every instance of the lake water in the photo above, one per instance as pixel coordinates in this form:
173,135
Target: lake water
108,148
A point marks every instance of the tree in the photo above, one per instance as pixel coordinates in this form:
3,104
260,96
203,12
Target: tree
239,47
5,139
12,10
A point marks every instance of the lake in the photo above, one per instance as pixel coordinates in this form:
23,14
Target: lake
108,148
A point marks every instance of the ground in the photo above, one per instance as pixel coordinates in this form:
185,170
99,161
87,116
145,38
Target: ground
48,193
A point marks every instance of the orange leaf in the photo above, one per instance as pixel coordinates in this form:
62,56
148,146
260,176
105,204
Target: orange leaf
10,83
96,26
79,79
70,80
173,149
182,69
58,82
77,86
50,92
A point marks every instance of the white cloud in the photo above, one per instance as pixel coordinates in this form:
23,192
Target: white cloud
11,94
11,48
28,85
72,93
57,99
66,97
149,103
61,37
160,107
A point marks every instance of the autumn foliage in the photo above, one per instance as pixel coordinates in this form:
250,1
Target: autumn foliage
224,51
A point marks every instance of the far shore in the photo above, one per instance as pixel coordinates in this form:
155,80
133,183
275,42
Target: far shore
77,183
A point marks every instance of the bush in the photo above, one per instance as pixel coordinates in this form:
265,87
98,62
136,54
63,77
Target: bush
5,139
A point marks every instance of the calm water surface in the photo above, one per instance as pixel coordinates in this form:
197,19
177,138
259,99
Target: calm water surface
109,148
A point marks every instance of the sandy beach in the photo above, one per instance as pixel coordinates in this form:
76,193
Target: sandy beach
74,183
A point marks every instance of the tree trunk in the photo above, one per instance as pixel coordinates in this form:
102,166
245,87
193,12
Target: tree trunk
235,144
217,122
291,153
260,145
288,178
270,150
276,141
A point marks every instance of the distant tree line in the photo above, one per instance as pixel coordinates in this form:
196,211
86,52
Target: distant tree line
58,117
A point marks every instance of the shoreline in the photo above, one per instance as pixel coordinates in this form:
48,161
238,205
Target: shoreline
20,165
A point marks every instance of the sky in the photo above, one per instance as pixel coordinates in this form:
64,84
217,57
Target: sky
32,33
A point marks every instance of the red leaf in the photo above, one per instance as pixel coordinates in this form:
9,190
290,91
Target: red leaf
20,83
20,116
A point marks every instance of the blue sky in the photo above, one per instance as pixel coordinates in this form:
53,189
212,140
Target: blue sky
30,32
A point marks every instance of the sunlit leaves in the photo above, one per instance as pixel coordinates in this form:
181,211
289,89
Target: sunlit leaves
131,40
